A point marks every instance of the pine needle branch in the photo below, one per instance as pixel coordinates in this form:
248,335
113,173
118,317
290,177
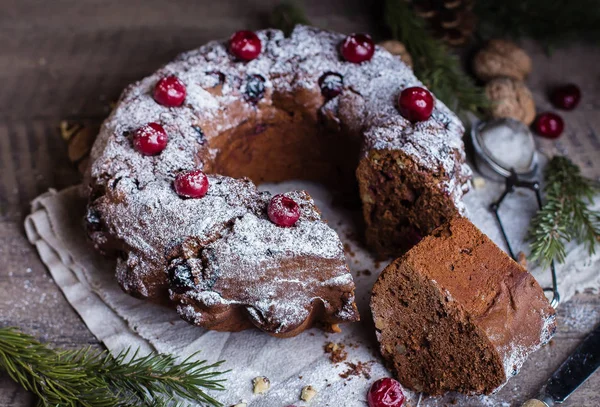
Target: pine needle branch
549,21
565,215
287,15
434,65
89,378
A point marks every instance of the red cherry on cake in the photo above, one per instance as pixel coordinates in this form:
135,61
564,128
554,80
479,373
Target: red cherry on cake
416,104
191,184
150,139
385,392
245,45
566,97
170,91
283,211
358,48
549,125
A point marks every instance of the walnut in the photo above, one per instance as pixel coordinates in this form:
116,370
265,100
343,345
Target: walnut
511,98
308,393
397,48
501,58
261,385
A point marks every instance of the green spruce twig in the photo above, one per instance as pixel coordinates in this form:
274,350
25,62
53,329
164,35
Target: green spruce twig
548,21
565,215
90,378
434,65
287,15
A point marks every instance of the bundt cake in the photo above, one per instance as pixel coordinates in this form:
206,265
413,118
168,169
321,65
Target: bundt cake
173,173
455,313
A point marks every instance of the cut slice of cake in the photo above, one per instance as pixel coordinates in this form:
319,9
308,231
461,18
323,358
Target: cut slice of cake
456,313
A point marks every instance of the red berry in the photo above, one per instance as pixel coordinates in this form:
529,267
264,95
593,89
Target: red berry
416,104
191,184
169,91
385,392
150,139
358,48
549,125
331,84
566,97
245,45
283,211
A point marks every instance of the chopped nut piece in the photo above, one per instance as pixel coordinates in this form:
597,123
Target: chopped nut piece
308,393
337,352
240,405
522,259
261,384
478,182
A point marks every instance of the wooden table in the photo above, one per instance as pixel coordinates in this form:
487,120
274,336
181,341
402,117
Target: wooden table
67,59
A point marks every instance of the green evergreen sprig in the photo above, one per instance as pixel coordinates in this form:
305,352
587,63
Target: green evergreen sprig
90,378
286,15
548,21
566,214
434,65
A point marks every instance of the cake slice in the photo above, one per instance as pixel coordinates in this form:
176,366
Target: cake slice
455,313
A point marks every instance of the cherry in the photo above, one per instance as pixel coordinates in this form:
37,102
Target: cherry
191,184
245,45
169,91
358,48
331,84
385,392
150,139
415,104
566,97
283,211
549,125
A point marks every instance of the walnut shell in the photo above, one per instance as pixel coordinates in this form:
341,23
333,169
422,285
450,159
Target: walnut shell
397,48
501,58
511,98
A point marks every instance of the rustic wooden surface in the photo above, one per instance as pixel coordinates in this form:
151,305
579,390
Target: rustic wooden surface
67,59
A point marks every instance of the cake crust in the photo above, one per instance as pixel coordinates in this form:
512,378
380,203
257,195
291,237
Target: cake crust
457,314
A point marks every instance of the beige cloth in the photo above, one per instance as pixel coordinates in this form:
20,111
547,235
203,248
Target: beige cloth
119,321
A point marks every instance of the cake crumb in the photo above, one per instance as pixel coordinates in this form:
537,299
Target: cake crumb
261,385
337,352
522,259
308,393
358,369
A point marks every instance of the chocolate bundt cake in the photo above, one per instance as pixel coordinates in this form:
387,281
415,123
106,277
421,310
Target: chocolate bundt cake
266,108
455,313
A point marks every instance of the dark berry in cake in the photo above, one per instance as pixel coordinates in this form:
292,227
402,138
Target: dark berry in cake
283,211
549,125
92,221
385,392
245,45
255,88
415,104
191,184
180,277
357,48
566,97
170,91
331,84
150,139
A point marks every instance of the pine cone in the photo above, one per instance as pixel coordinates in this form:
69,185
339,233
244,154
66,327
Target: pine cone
452,21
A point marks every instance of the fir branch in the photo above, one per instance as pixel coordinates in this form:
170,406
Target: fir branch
438,69
90,378
287,15
565,215
548,21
